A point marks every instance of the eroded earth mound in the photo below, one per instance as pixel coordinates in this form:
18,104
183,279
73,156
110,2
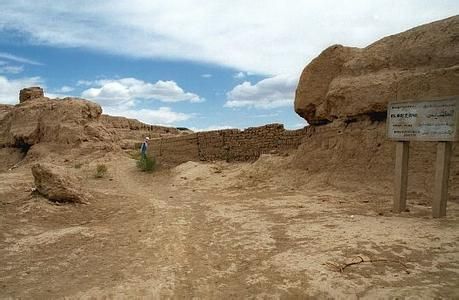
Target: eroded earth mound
343,82
344,92
45,126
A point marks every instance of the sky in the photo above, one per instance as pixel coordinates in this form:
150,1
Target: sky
198,64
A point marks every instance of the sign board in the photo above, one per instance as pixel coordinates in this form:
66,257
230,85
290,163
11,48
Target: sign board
435,120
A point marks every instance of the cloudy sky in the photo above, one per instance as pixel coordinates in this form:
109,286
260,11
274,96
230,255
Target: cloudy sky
198,64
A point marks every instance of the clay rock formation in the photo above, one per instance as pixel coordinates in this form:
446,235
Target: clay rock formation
63,125
66,121
57,184
343,82
31,93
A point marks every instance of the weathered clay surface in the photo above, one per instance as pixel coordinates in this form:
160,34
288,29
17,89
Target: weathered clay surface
31,93
57,184
420,63
43,120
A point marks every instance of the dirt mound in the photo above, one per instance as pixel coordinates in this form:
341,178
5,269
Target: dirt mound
342,82
66,121
57,184
344,94
57,125
40,127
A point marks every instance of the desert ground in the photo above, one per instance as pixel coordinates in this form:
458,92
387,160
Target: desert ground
259,213
217,230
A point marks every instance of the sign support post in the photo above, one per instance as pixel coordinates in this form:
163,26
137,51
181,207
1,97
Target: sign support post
440,196
425,121
401,175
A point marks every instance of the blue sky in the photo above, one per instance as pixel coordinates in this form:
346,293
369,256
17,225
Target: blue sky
196,64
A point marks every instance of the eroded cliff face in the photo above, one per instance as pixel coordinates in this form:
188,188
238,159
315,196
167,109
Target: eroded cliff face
66,121
343,82
344,93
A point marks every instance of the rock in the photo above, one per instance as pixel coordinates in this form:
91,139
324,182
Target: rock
57,184
31,93
343,82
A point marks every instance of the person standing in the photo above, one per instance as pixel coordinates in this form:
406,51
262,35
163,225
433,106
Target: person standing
144,148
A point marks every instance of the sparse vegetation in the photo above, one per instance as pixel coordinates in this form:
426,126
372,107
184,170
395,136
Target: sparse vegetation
101,170
146,164
78,165
134,154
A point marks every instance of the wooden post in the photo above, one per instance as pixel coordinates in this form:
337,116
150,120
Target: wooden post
440,196
401,175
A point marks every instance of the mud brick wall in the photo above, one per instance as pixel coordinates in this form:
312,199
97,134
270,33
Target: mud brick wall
229,144
175,149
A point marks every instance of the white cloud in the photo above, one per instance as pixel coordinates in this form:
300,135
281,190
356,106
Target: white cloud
9,69
161,116
9,89
66,89
239,75
9,94
211,128
124,92
62,92
84,83
264,36
295,126
16,58
206,75
119,97
266,115
273,92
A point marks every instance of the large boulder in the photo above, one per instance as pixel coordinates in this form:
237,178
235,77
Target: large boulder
343,82
57,184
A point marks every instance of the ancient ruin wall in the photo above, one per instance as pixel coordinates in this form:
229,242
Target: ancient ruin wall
229,144
131,131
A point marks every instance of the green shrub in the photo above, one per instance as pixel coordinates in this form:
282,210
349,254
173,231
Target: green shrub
101,170
146,164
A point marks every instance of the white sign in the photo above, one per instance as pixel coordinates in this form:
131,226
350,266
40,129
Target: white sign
436,120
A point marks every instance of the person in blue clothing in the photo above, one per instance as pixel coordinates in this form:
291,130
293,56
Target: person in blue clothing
144,148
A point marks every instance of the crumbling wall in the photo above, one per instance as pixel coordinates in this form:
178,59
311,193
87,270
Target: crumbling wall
359,156
31,93
229,144
131,131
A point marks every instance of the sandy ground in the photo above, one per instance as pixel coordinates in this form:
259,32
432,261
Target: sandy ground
220,231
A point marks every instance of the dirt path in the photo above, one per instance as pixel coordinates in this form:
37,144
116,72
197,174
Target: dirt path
199,231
